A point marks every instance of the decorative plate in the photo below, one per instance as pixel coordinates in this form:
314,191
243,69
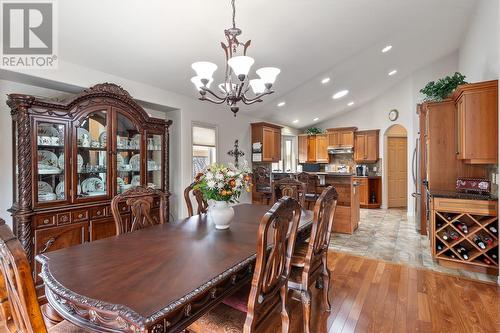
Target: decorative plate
136,180
44,187
135,162
60,161
102,139
47,130
46,197
60,190
92,184
83,137
46,159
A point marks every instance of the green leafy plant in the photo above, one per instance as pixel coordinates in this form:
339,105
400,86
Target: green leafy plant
314,131
442,88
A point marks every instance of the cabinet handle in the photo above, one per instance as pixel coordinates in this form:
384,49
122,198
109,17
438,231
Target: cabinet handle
48,244
80,215
46,221
99,212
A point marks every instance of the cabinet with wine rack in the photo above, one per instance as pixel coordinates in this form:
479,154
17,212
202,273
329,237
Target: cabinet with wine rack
465,234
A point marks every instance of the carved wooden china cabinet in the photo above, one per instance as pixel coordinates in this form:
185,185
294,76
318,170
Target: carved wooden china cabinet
71,158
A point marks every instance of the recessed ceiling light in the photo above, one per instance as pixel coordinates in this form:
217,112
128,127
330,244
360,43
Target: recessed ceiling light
351,103
280,104
325,80
340,94
295,121
315,119
387,48
391,73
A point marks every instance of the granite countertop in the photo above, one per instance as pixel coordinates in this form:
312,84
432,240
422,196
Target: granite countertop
321,173
369,177
459,195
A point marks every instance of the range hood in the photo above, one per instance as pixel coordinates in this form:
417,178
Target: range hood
342,150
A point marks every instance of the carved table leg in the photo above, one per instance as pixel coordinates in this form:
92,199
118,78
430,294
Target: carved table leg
50,316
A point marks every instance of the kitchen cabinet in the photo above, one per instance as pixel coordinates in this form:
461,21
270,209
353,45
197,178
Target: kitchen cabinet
477,122
313,148
269,136
366,146
369,187
341,137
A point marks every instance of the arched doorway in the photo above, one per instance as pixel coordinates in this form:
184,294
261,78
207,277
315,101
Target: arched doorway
396,156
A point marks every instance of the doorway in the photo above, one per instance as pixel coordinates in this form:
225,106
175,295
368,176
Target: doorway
397,167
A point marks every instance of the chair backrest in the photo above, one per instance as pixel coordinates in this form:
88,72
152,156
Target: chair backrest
310,180
202,203
275,243
19,308
289,187
261,179
321,231
140,201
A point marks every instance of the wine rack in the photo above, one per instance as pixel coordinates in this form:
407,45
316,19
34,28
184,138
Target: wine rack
465,233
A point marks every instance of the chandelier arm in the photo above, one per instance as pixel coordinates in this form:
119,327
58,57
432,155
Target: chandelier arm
257,98
204,98
213,94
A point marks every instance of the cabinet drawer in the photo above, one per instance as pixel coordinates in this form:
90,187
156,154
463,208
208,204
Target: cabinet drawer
80,215
63,218
479,207
97,212
45,220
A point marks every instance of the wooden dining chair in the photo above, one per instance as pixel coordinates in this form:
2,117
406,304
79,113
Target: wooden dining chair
289,187
309,260
202,203
311,182
20,311
140,200
268,291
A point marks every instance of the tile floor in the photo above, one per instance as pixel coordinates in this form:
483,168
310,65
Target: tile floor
388,234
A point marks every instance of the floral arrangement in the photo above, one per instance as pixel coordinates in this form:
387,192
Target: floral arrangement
223,183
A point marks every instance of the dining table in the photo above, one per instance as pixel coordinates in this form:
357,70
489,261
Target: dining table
157,279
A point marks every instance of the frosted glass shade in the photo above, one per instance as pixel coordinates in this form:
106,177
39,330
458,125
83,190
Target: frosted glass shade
227,87
268,74
204,69
258,86
197,82
241,65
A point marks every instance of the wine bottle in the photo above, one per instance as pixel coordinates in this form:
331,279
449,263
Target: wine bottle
492,229
454,235
486,261
479,242
439,247
463,252
445,235
462,227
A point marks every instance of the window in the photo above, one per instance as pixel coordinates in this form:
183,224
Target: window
204,147
288,161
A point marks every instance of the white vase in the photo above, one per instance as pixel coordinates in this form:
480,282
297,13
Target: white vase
220,213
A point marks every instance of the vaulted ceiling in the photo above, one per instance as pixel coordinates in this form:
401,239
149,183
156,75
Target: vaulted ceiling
156,41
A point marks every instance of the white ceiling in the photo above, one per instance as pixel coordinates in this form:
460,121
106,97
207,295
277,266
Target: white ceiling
156,41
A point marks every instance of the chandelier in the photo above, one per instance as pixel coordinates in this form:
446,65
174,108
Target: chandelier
236,85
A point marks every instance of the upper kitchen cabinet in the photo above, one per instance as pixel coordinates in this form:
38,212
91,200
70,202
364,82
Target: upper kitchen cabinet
477,122
313,148
341,137
269,136
366,146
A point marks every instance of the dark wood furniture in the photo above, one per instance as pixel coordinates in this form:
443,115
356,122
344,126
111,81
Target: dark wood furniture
268,294
310,262
89,149
341,137
477,122
313,148
19,308
289,187
261,189
202,205
366,146
312,183
147,207
370,191
144,262
449,237
269,136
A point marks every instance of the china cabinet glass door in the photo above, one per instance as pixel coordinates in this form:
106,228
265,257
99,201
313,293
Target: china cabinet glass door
92,155
128,154
154,144
51,166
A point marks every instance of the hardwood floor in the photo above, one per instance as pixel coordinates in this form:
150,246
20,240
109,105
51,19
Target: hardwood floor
375,296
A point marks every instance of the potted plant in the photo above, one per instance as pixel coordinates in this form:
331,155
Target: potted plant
442,88
222,185
314,131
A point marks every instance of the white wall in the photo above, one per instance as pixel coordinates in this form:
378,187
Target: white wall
479,52
403,96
